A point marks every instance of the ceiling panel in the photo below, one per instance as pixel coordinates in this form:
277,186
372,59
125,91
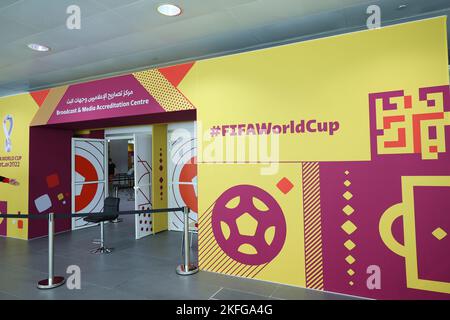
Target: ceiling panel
111,4
10,30
7,3
118,36
45,14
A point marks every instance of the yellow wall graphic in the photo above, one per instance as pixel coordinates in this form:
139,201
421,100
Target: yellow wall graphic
283,189
324,80
14,164
266,118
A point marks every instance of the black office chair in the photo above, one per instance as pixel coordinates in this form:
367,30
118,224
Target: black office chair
110,212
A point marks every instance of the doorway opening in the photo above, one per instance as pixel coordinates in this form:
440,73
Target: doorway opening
121,177
120,165
130,174
146,167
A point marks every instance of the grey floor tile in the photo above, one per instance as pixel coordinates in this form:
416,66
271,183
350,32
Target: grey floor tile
257,287
87,292
6,296
109,278
229,294
169,287
297,293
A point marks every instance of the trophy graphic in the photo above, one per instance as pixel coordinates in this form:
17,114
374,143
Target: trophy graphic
426,222
8,131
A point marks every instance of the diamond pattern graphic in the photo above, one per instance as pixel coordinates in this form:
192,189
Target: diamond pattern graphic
348,227
350,259
348,210
285,185
347,195
439,233
349,244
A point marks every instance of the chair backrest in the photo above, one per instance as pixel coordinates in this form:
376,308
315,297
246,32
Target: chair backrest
111,205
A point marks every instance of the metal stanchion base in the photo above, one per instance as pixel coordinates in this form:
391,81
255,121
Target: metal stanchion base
181,270
56,282
102,250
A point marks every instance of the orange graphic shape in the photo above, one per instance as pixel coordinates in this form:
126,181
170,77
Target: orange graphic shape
408,102
39,96
187,191
176,74
400,143
85,168
387,121
417,118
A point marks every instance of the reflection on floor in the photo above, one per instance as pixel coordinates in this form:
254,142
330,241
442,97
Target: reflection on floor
136,269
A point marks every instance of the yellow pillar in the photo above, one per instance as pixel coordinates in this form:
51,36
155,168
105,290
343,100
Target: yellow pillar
159,176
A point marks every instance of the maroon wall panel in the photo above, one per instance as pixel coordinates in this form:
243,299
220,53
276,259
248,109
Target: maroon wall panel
50,178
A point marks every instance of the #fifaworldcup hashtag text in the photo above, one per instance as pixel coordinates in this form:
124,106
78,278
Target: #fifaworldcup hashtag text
293,127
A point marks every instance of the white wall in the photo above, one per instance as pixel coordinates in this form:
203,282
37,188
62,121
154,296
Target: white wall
119,154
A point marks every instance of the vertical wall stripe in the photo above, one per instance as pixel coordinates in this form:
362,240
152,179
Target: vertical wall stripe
159,176
312,222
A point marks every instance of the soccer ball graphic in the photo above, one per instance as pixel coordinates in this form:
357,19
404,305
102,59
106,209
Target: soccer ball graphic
249,225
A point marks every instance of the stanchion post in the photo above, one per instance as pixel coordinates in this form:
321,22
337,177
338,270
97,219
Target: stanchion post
187,268
52,281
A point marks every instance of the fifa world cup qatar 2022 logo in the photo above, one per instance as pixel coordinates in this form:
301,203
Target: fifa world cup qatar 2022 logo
249,225
8,124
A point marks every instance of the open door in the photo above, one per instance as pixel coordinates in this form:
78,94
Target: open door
89,177
182,172
142,184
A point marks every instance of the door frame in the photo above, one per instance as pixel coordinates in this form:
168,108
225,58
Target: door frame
137,187
72,182
121,133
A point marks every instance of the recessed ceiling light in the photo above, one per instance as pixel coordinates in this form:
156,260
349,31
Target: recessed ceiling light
169,10
402,6
38,47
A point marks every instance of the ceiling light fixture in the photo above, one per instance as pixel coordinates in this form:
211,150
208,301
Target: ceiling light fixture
38,47
169,10
402,6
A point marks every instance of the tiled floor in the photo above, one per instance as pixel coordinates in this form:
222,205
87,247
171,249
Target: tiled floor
142,269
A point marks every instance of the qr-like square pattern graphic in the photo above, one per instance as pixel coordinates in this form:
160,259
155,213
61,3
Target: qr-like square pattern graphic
408,123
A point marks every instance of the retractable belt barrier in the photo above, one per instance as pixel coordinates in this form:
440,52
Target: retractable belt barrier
187,268
80,215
